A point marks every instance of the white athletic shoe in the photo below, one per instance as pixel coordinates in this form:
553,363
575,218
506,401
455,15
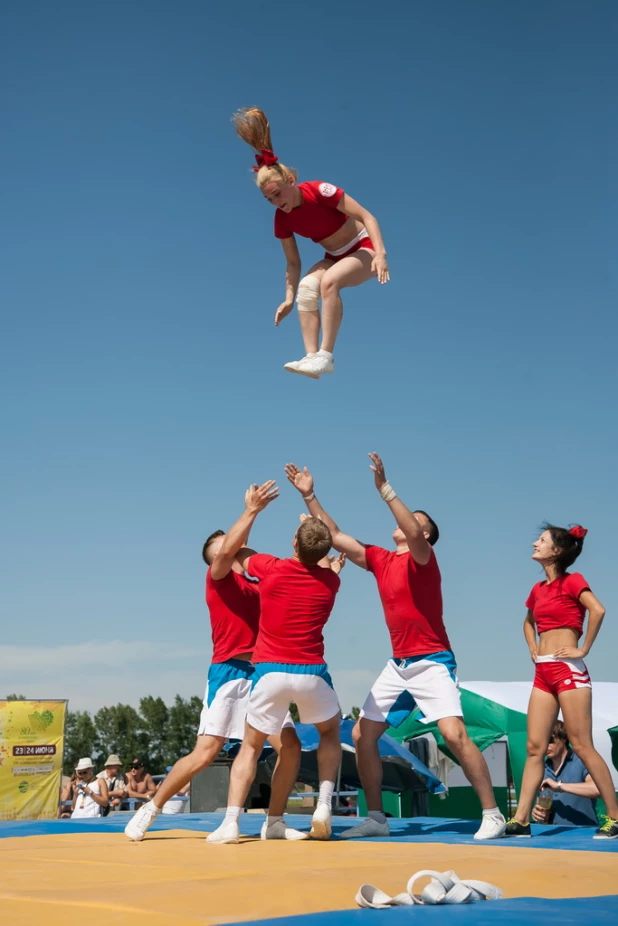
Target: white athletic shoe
316,366
294,366
321,822
228,832
280,830
139,824
366,830
492,827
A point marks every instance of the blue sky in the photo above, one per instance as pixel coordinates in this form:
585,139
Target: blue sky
141,371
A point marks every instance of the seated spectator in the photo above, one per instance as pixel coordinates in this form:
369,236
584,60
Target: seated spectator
115,781
89,792
575,793
139,783
174,805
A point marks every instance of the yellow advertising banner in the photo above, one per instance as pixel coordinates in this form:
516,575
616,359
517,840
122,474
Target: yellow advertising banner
31,750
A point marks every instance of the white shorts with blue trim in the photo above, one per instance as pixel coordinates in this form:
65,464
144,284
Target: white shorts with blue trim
226,699
225,702
428,683
275,684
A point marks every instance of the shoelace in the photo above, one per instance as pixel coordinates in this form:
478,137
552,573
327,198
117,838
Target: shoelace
444,888
609,823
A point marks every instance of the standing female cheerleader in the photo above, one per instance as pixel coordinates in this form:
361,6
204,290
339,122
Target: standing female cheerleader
556,610
349,234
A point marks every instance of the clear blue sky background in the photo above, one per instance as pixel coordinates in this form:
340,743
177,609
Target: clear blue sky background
142,375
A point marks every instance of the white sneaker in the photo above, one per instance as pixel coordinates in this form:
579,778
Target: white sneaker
321,822
294,366
227,833
280,830
139,824
316,366
366,830
492,827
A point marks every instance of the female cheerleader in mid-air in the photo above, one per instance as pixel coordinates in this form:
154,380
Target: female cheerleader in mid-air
321,211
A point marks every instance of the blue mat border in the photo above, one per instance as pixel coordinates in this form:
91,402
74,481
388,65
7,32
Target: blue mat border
407,830
591,910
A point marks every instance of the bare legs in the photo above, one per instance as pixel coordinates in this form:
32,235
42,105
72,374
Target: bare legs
577,712
349,271
542,714
329,749
206,750
469,757
333,277
244,767
365,735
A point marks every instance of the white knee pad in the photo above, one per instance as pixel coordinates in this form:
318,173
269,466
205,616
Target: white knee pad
308,294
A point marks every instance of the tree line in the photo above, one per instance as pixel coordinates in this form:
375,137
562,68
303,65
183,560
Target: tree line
155,732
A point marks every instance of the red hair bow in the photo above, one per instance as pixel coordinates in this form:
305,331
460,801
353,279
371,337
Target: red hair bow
578,532
266,158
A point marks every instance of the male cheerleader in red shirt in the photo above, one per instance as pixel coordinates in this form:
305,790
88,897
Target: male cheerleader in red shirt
234,606
349,234
297,596
422,670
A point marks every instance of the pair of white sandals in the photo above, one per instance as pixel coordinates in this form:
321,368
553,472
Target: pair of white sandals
444,888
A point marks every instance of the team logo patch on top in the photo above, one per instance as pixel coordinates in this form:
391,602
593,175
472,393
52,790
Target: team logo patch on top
327,189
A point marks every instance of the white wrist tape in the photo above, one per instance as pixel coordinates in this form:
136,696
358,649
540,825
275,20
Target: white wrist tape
309,498
387,492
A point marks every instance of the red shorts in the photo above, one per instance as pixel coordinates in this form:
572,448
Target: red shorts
365,242
558,675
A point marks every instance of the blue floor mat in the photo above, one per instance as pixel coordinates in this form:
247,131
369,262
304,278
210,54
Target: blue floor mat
415,829
595,911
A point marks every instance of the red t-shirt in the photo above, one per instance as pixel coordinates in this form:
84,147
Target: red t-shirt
412,600
557,604
317,217
234,605
296,602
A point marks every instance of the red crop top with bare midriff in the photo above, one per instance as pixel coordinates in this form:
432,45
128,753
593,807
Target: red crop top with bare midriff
317,217
556,604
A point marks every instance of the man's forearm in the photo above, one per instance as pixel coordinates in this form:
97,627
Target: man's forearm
316,511
404,517
238,533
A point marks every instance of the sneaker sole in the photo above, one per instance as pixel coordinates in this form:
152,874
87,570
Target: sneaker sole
606,837
224,841
320,830
135,838
302,373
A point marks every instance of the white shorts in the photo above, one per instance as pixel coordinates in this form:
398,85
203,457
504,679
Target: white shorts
428,683
226,699
275,684
225,702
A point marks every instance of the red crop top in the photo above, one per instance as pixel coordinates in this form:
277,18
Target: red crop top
557,604
317,217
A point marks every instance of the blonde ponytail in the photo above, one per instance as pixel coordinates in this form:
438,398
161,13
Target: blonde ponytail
253,127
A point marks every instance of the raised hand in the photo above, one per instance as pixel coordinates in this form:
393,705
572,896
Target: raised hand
337,563
282,312
377,470
258,497
300,479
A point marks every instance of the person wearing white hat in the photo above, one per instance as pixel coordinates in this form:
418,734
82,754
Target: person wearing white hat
115,781
90,794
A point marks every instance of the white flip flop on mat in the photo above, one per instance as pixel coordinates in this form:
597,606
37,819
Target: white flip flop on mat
444,888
